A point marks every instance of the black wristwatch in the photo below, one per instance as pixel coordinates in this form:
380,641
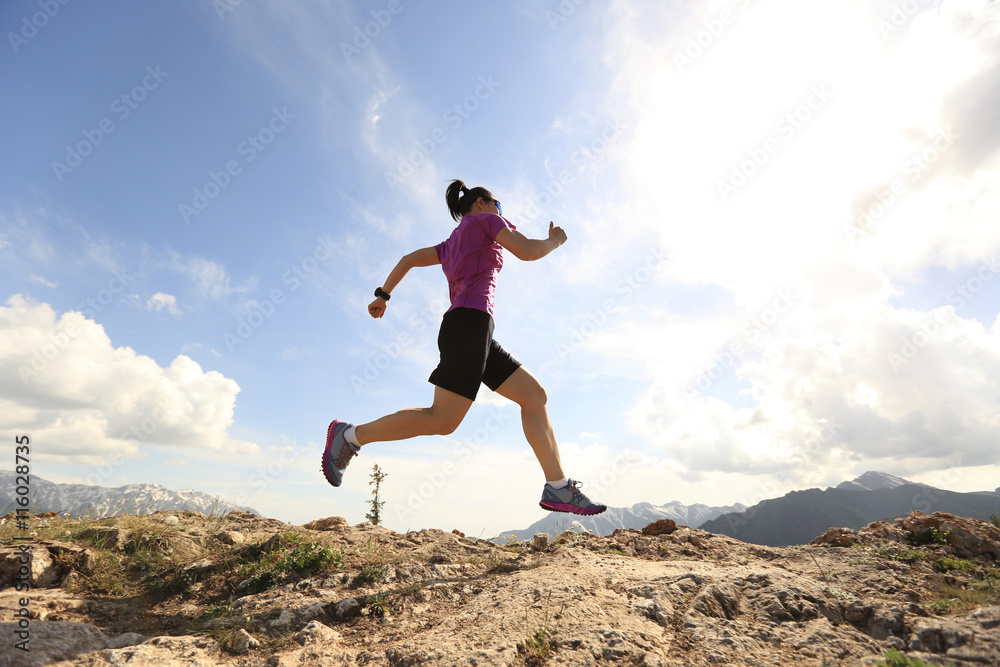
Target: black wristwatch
382,293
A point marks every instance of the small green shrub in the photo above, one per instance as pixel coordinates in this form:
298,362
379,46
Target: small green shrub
910,555
932,535
894,658
303,559
951,564
377,605
371,573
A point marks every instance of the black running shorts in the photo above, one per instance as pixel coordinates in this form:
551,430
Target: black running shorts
469,355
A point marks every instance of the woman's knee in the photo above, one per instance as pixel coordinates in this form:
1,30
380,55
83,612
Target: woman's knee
532,392
444,423
447,425
538,397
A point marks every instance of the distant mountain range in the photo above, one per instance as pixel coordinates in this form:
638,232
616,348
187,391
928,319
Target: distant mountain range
638,516
800,516
98,501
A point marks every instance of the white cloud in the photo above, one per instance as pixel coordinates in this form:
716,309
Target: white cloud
63,381
39,280
159,301
820,389
211,280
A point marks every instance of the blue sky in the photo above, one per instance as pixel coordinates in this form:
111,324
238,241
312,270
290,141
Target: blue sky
779,274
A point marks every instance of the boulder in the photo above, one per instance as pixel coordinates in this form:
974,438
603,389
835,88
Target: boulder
316,633
968,537
31,561
660,527
329,523
48,642
837,537
244,642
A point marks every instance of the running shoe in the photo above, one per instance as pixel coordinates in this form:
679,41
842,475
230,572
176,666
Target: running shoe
338,452
568,499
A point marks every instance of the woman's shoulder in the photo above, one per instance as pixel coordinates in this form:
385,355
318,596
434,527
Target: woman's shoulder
486,220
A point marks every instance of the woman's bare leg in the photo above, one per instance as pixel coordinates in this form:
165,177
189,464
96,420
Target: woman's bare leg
442,418
522,388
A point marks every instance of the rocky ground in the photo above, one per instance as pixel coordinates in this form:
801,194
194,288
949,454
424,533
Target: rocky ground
180,588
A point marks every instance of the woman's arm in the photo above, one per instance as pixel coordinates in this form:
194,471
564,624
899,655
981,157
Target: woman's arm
531,249
423,257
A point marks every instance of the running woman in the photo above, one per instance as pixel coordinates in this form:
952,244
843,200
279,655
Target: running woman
471,259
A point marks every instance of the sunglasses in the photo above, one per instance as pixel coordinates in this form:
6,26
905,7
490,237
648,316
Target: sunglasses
497,202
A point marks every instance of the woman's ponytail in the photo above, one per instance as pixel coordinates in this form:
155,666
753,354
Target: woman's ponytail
460,198
453,196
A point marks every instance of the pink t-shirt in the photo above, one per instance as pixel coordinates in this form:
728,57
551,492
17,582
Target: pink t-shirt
471,259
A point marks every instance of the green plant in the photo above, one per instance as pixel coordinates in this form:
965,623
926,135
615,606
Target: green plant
539,642
105,580
370,574
290,556
375,515
958,598
910,555
951,564
941,607
411,589
894,658
377,605
218,611
932,535
995,520
497,564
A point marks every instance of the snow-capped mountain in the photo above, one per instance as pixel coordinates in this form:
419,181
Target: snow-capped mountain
637,516
872,481
99,501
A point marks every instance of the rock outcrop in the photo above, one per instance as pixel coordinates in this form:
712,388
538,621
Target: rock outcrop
258,592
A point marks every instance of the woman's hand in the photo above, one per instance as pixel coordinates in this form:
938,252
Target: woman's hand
556,233
377,307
